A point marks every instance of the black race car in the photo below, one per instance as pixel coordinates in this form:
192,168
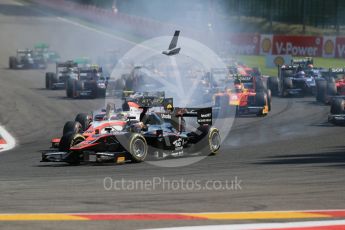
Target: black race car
156,135
64,71
27,59
90,82
291,80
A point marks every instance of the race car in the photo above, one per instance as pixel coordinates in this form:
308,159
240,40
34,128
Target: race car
64,71
27,59
247,96
89,82
292,80
330,85
49,56
152,135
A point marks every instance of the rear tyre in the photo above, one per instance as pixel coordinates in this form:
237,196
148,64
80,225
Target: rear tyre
337,106
288,83
70,88
84,120
213,141
261,100
259,84
321,90
137,148
94,91
331,89
47,80
269,99
12,62
72,127
272,84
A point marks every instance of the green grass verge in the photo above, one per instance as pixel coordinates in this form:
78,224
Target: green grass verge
259,61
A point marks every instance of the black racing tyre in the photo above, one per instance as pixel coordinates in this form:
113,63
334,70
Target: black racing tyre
331,88
53,79
259,84
70,87
12,62
331,80
120,84
321,90
260,99
47,80
70,139
287,82
72,127
94,90
213,140
84,120
273,85
137,148
269,99
337,106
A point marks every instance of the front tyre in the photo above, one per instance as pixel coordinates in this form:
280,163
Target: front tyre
70,139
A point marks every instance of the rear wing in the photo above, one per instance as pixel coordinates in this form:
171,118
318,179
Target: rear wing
334,70
24,51
203,115
244,78
90,69
149,99
302,61
68,64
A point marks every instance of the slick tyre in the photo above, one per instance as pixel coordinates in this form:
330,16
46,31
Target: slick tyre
331,89
70,88
273,85
214,141
70,139
72,127
47,80
321,90
269,99
261,100
288,83
137,148
84,120
12,62
337,106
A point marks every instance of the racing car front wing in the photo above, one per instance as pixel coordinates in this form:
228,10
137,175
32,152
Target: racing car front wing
88,156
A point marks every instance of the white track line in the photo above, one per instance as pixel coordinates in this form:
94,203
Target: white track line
302,224
10,141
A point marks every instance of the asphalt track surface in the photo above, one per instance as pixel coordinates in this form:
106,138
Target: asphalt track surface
290,160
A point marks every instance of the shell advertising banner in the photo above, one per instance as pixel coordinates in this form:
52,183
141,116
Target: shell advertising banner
310,46
340,47
243,44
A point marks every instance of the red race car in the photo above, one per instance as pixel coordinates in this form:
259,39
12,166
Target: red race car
330,85
247,95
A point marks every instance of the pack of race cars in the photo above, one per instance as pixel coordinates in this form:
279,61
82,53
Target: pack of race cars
148,126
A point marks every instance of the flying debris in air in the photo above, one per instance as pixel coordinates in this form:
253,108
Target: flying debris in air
173,50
